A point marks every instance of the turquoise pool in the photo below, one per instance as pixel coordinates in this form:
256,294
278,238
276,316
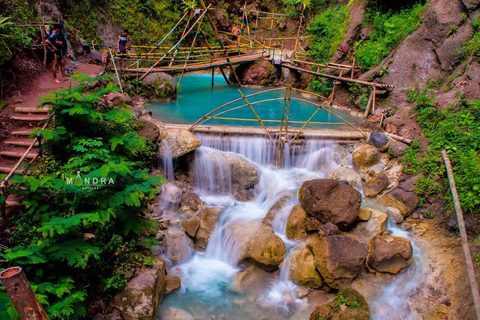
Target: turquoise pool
197,97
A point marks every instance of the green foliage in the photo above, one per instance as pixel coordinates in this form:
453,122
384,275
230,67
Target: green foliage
320,87
77,235
11,38
389,29
327,30
471,47
147,20
343,299
455,128
360,93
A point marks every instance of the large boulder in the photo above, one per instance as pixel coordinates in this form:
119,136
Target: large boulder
330,201
345,174
366,156
222,172
159,86
338,258
261,72
266,248
389,254
177,245
191,225
302,269
208,222
297,223
116,99
172,283
394,214
376,184
374,226
142,295
177,142
256,242
403,197
349,304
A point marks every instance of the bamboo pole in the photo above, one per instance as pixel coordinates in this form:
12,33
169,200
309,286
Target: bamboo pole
42,32
21,294
463,234
176,45
215,31
224,76
399,138
289,100
116,70
256,115
367,109
183,34
283,109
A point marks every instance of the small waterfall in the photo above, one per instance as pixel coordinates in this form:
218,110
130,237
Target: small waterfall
166,162
394,304
213,173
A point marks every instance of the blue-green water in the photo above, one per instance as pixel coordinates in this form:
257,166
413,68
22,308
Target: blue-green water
197,97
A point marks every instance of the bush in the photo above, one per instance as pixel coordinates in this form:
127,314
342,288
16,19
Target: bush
327,30
389,29
77,236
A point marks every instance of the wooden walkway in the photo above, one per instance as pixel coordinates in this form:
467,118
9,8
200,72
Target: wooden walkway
343,134
222,62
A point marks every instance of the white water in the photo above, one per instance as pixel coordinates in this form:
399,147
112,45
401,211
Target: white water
207,276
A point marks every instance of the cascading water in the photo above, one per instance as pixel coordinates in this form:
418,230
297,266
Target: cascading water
207,276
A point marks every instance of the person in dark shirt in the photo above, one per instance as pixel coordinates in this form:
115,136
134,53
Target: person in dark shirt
55,41
123,45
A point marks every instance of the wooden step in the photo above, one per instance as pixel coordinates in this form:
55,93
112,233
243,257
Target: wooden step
18,154
21,142
30,118
22,133
31,110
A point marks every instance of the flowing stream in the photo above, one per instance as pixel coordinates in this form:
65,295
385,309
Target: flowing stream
206,290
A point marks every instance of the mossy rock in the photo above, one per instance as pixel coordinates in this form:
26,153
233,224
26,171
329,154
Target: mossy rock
159,86
349,304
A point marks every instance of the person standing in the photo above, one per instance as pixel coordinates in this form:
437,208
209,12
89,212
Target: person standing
123,45
56,41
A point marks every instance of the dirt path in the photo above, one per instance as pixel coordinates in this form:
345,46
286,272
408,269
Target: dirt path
20,116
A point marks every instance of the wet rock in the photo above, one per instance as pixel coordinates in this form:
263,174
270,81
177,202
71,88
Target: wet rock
296,228
330,201
313,224
379,140
171,193
364,214
191,225
376,184
142,295
345,174
366,156
389,254
261,72
256,242
405,201
149,130
116,99
172,283
394,214
248,279
177,143
376,225
192,202
159,86
178,246
276,208
302,269
348,305
176,314
338,258
328,229
266,248
208,222
301,292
